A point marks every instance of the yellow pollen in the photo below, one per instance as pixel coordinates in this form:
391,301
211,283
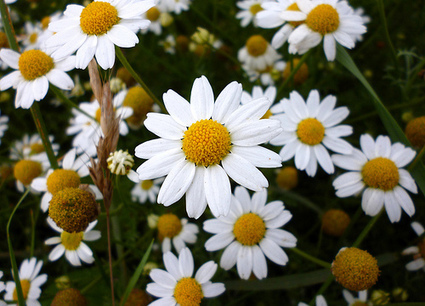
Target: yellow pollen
98,17
206,142
3,40
323,19
34,64
71,241
61,179
256,45
254,9
267,115
310,131
188,292
294,7
25,285
33,38
45,22
146,185
153,14
421,246
381,173
335,222
169,225
26,170
37,148
249,229
415,131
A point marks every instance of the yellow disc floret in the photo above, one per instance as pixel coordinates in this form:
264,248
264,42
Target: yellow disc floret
25,285
300,76
37,148
153,14
323,19
71,241
34,64
335,222
355,269
287,178
98,17
73,209
415,132
254,9
146,184
169,225
140,102
60,179
310,131
188,292
381,173
45,22
249,229
256,45
294,7
206,142
69,297
26,170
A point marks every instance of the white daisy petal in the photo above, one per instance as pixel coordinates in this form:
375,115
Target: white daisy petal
244,262
202,99
217,190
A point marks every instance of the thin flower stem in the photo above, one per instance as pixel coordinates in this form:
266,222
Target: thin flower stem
63,98
34,217
108,227
138,79
21,299
293,72
367,229
317,261
8,26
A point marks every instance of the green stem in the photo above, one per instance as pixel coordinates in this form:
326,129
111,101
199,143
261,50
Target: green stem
138,79
8,26
367,229
417,159
21,299
34,217
63,98
317,261
293,72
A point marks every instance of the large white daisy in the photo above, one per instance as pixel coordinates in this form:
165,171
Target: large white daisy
417,251
176,286
309,129
34,70
250,233
376,171
72,245
94,30
203,142
330,20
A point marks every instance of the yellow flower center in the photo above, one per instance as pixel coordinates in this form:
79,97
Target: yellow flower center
206,142
169,225
335,222
294,7
188,292
33,38
26,170
254,9
71,241
37,148
323,19
98,17
45,22
34,64
287,178
249,229
146,185
25,285
415,131
153,14
140,102
310,131
421,246
4,43
256,45
267,115
381,173
61,179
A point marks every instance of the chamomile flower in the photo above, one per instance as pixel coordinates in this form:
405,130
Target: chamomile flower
3,125
31,38
309,129
203,142
32,147
69,175
329,20
154,16
174,6
175,230
257,54
30,282
169,44
365,18
250,233
248,11
376,172
34,70
356,301
146,190
176,286
418,251
120,163
72,245
95,30
267,76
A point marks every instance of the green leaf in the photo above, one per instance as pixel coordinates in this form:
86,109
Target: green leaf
136,275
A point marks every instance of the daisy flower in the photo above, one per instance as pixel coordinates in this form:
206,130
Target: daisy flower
72,245
32,146
146,190
30,282
34,70
267,76
203,142
179,231
309,129
69,175
94,30
249,9
353,301
169,44
87,129
376,172
31,38
250,233
330,20
257,93
3,125
176,286
418,251
154,16
257,54
174,6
